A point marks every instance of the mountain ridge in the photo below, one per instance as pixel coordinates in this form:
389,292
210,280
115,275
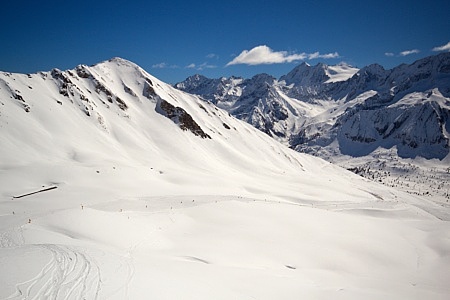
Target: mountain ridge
375,88
404,111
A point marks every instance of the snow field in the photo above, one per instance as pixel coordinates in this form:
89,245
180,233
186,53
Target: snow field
144,210
232,247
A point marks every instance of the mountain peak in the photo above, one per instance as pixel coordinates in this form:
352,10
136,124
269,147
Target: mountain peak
118,62
263,77
119,59
373,68
304,74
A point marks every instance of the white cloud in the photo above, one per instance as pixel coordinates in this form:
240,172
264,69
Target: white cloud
409,52
314,55
390,54
200,67
264,55
325,56
160,66
164,65
212,55
205,66
445,47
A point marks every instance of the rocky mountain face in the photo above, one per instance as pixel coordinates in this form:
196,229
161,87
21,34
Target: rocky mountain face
340,110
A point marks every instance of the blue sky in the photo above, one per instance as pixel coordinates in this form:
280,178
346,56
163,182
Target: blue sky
176,39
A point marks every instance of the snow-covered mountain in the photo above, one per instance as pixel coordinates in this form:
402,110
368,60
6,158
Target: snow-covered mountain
115,185
360,106
341,112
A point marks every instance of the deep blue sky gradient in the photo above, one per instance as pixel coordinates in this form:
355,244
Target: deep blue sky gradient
164,37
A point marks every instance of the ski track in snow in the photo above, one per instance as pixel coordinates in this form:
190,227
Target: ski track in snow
130,270
70,274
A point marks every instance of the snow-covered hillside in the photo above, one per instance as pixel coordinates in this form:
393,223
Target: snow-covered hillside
115,185
340,113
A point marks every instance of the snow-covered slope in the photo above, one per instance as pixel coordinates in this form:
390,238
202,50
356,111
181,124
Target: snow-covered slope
114,185
340,72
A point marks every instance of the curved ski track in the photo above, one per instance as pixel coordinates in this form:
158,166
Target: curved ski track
70,274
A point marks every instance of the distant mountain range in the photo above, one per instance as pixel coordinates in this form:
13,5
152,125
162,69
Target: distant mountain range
341,110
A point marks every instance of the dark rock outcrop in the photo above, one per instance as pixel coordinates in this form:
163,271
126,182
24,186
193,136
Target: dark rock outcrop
180,117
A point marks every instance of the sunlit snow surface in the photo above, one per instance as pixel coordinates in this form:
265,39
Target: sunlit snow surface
144,210
340,72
